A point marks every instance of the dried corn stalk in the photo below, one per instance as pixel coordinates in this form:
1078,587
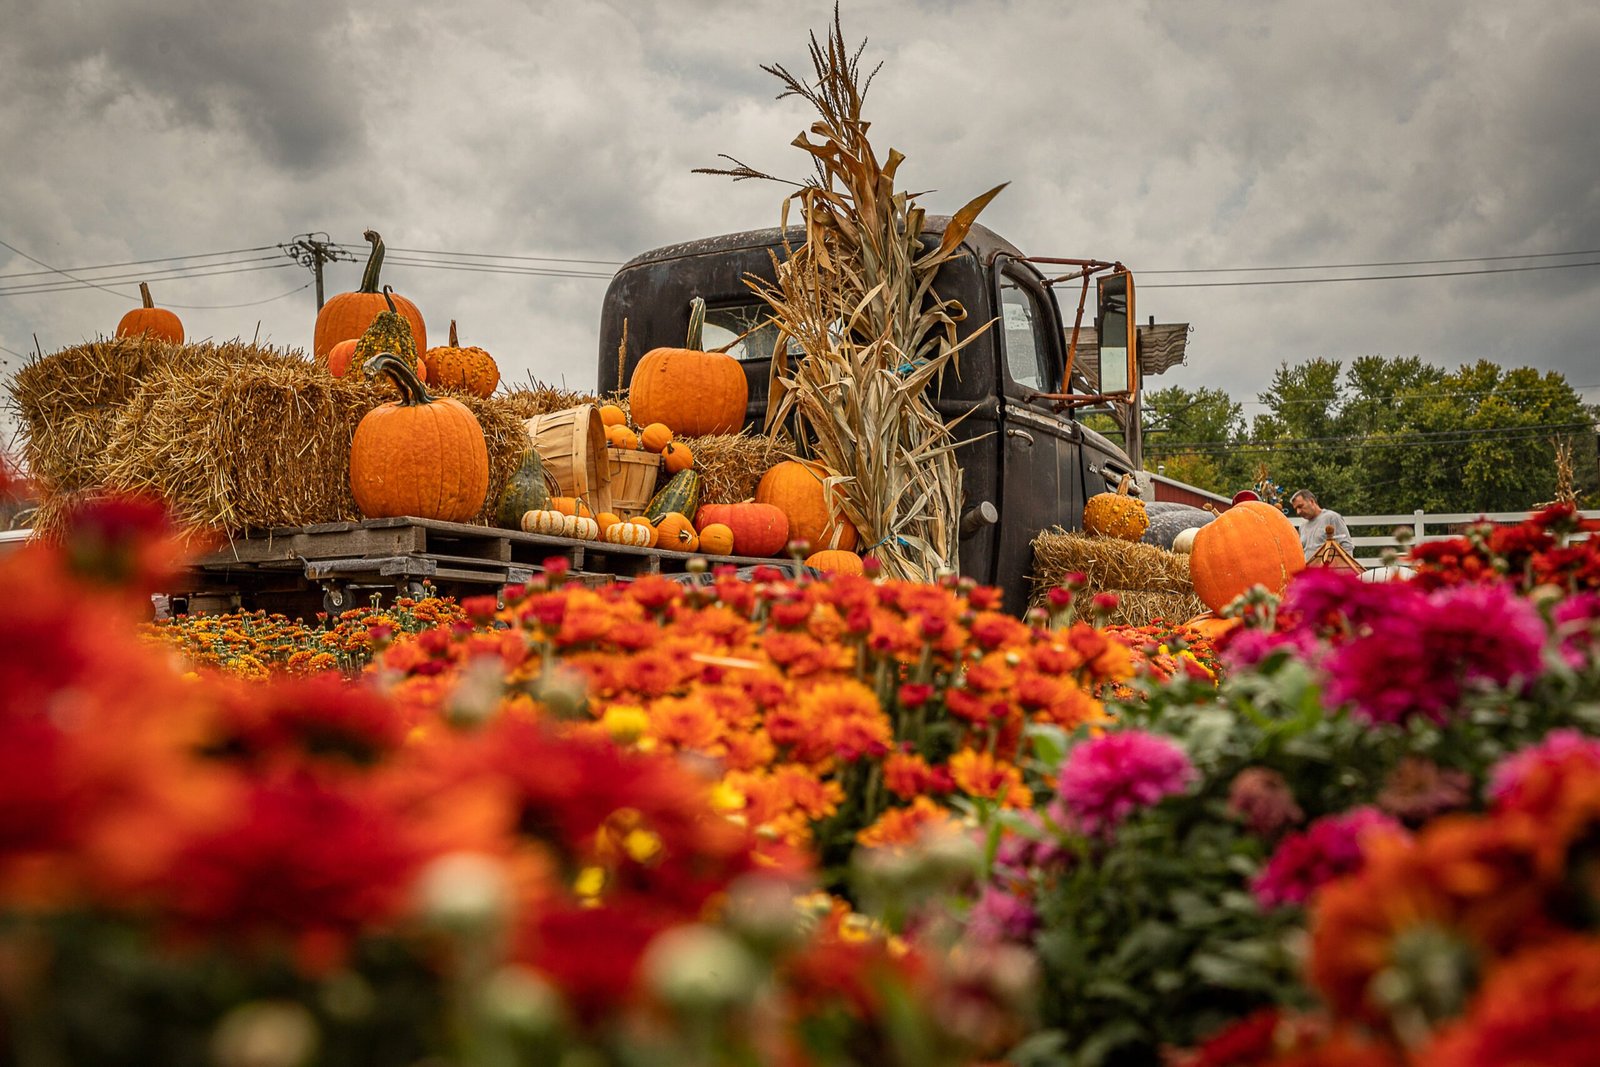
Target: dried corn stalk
857,300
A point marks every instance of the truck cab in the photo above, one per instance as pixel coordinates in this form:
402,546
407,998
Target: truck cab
1028,463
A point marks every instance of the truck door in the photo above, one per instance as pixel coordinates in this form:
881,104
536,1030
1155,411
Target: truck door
1041,473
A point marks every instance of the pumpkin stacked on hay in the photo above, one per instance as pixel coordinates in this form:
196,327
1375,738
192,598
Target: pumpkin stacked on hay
149,319
419,455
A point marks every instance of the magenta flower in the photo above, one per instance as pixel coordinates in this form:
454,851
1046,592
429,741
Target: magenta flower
1577,623
1331,847
1522,774
1002,915
1421,658
1106,779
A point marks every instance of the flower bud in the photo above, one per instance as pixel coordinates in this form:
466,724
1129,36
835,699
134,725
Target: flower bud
464,893
265,1033
699,968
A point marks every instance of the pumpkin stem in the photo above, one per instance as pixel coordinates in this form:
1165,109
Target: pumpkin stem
369,277
388,298
144,294
453,342
1122,486
412,392
697,324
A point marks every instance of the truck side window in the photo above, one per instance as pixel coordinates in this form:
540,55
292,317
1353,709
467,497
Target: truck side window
1022,325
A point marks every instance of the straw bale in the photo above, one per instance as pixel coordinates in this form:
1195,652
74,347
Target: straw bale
70,400
730,464
1150,582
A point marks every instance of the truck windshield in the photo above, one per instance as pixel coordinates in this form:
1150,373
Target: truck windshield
753,321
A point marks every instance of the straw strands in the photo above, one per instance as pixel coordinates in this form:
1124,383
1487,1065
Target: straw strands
730,464
1149,582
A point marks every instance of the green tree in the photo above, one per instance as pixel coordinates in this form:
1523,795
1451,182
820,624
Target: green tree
1394,434
1191,436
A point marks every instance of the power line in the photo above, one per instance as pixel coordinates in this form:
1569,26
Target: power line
136,262
1370,277
492,255
1387,263
490,269
175,274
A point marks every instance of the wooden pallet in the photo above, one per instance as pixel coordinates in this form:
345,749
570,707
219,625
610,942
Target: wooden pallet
343,559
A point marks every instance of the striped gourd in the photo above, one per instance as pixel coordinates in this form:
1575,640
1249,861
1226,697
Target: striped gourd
680,494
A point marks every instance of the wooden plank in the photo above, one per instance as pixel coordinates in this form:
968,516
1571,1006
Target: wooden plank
328,544
387,567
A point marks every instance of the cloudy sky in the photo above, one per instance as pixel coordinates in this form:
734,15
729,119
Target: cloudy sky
1183,135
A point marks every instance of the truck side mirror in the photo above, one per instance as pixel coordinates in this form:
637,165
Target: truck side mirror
1117,327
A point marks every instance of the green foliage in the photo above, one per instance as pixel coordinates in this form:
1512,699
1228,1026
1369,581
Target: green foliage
1383,435
1153,938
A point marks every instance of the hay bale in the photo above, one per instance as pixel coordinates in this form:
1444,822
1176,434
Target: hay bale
730,464
1149,582
69,400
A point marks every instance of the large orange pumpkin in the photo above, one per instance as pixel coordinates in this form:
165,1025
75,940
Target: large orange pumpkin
693,391
347,316
418,455
795,488
758,529
1250,544
149,319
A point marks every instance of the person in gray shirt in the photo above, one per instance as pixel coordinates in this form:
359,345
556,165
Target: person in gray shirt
1318,520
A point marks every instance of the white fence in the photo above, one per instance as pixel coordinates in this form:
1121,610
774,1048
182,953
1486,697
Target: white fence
1374,533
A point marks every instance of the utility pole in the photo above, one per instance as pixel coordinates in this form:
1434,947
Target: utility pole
313,250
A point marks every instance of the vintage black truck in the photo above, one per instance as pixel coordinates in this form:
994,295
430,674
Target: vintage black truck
1028,463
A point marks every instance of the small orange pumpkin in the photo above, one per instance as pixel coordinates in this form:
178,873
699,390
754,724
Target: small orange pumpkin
694,391
835,561
607,519
716,540
470,369
417,456
570,505
674,531
676,457
159,323
655,437
612,415
1250,544
339,358
618,436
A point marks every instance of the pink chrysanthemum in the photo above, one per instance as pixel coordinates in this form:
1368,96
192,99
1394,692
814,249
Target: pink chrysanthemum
1331,847
1106,779
1420,660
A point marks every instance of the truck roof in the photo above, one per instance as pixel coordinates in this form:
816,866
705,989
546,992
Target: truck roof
982,241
